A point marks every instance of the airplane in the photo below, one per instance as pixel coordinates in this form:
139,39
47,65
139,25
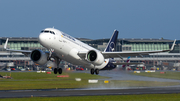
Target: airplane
127,61
62,46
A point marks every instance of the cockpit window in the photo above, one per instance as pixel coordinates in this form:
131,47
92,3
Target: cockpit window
47,31
52,32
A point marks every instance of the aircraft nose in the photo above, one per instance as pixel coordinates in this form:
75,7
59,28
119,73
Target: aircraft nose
42,39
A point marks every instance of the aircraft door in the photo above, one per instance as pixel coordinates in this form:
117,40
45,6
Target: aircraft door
52,40
60,41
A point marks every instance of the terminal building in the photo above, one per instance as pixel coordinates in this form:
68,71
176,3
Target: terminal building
21,43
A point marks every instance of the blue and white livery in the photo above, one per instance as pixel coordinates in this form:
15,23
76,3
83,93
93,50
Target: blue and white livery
62,46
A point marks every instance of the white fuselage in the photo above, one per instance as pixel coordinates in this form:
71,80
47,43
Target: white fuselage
67,47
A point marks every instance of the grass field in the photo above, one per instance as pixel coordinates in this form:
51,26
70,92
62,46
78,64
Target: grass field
144,97
33,80
157,74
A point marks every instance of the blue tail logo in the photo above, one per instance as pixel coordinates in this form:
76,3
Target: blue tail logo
112,42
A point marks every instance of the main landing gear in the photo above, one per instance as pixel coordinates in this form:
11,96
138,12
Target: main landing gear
57,70
96,71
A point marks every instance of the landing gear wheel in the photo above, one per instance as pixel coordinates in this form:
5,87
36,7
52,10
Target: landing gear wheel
97,71
55,70
60,71
92,71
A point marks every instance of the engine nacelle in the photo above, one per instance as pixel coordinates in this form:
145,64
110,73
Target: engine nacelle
39,57
95,57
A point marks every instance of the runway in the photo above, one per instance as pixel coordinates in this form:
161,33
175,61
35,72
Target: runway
85,92
124,75
114,75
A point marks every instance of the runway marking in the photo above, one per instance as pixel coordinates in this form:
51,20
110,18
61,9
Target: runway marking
86,92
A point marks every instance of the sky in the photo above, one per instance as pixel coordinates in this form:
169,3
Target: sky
92,19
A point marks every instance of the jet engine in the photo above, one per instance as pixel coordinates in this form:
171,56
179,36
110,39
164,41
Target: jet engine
39,57
95,57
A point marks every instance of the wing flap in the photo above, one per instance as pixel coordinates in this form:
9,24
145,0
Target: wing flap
20,51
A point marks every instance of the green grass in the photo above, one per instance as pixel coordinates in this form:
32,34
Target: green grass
144,97
33,80
37,76
157,74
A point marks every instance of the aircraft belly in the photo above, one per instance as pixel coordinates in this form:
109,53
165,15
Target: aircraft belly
75,61
62,50
70,55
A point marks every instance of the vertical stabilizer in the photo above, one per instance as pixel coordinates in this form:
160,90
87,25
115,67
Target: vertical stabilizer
128,61
112,42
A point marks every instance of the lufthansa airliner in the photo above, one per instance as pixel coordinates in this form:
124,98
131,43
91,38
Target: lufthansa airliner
62,46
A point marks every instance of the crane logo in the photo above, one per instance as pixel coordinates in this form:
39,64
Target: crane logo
112,47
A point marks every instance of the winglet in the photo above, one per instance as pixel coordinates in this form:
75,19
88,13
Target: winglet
5,45
173,45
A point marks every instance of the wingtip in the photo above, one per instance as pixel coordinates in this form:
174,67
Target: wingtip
174,43
5,45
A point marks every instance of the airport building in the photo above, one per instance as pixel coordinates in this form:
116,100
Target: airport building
21,43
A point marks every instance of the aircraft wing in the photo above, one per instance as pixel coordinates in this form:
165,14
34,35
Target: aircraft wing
26,52
136,53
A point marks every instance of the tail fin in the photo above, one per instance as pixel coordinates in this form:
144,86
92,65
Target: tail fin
128,61
112,42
